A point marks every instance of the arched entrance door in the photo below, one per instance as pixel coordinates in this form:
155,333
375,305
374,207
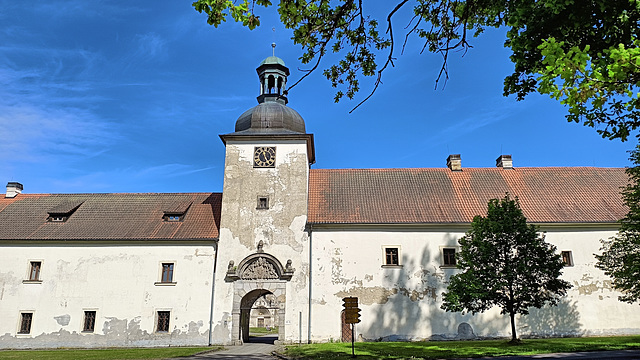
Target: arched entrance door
257,275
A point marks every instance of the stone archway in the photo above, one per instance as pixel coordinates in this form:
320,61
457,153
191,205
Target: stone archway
246,303
257,275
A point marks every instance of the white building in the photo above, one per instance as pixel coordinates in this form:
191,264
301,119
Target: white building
94,270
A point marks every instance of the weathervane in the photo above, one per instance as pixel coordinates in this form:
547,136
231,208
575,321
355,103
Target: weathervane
273,51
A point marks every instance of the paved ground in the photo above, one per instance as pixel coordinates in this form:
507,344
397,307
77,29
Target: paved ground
258,349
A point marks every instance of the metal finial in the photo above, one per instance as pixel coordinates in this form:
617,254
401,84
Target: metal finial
273,46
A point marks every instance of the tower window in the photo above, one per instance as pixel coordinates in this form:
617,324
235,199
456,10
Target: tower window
263,202
567,258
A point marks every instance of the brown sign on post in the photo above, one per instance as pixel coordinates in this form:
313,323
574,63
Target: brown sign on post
351,310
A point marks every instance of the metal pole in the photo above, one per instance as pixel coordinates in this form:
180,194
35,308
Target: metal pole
353,352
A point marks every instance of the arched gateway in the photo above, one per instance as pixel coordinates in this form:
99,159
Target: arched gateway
257,275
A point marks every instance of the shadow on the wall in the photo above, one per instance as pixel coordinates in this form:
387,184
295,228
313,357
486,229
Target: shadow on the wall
554,321
413,311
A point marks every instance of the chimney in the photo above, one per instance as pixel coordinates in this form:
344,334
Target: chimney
13,189
454,163
504,161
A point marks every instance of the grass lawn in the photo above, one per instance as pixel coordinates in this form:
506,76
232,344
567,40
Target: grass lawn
459,349
262,331
103,354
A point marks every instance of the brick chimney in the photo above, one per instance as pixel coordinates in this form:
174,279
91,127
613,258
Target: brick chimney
454,162
13,189
504,161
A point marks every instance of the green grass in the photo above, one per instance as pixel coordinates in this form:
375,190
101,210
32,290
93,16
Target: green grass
103,354
459,349
262,331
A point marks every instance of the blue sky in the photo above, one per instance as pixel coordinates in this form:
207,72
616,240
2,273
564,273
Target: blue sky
121,96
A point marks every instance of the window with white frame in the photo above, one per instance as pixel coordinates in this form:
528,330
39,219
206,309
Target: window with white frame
448,256
26,318
391,256
162,324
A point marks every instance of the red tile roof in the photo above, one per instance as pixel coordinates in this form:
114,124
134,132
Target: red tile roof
383,196
110,216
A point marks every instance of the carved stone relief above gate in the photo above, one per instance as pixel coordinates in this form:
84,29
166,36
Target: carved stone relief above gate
259,266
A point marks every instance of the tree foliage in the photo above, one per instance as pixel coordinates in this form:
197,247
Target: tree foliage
584,54
505,263
620,256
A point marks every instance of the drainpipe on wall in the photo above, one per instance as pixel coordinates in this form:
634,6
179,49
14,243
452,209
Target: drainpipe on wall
310,227
213,287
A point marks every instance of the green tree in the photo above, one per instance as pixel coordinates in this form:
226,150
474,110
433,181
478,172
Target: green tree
620,256
584,54
505,263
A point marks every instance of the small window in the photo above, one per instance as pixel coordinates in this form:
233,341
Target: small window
263,202
449,257
58,218
163,321
34,270
173,217
567,258
89,321
391,256
167,273
25,323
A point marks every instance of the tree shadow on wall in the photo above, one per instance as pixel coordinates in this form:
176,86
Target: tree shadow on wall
552,321
413,311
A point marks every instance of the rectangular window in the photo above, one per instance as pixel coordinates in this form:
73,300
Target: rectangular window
89,321
167,273
263,202
449,256
391,256
567,258
25,323
163,321
34,270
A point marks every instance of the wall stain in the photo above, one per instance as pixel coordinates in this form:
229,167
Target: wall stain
369,295
115,332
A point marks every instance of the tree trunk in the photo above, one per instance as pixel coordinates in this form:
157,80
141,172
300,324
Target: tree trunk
514,338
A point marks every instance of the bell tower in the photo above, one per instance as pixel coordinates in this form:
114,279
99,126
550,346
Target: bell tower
264,212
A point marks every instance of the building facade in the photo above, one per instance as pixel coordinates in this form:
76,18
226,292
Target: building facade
95,270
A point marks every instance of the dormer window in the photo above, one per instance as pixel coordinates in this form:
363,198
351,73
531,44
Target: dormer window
175,212
62,212
173,217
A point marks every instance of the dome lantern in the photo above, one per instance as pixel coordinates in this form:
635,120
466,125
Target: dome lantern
273,79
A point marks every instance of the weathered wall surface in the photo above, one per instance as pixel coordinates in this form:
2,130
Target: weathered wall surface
403,303
280,228
118,281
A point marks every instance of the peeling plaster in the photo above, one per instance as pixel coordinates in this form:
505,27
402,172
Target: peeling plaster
63,319
369,295
115,332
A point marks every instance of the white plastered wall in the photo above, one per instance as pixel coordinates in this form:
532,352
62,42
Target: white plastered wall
403,303
117,280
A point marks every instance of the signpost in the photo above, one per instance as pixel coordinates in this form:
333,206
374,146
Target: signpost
351,316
